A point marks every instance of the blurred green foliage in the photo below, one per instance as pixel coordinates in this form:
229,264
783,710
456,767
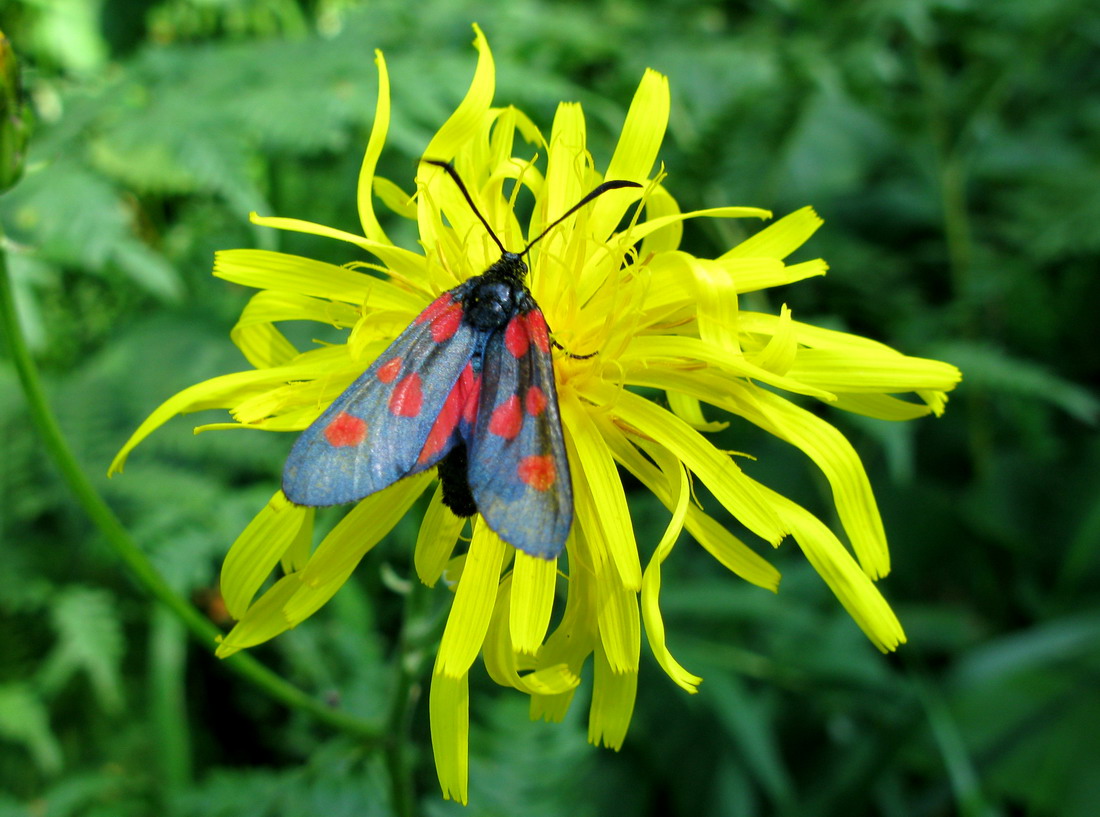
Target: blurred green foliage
953,149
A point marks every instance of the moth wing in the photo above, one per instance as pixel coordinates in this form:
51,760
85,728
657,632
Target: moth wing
518,468
390,422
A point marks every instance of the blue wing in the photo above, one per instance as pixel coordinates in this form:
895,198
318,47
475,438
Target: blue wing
518,469
398,418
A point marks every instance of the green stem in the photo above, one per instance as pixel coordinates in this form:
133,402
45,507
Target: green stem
128,551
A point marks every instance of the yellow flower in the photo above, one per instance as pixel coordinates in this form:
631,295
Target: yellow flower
610,280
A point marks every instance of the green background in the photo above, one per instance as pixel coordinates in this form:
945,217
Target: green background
952,148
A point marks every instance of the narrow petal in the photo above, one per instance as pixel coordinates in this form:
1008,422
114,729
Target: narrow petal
881,406
572,641
613,695
730,551
851,586
871,371
617,619
651,582
720,474
218,392
401,262
779,353
650,226
265,346
838,461
504,664
463,125
648,351
660,204
532,601
597,468
257,550
263,620
449,712
473,604
636,152
717,305
751,276
294,558
371,228
340,552
780,239
643,131
436,540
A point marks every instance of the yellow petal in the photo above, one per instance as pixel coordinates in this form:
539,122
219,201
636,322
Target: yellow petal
729,551
464,124
573,639
867,370
651,351
265,269
881,406
653,225
718,472
265,346
218,392
778,354
408,265
754,274
597,470
504,663
294,558
532,601
708,532
371,228
651,583
660,204
717,305
436,540
449,712
617,618
780,239
399,201
838,461
339,553
257,550
643,131
613,696
263,621
473,603
835,565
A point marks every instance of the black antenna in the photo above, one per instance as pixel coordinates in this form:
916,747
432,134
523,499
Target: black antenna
599,191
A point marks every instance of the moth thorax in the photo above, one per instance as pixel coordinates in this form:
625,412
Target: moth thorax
491,303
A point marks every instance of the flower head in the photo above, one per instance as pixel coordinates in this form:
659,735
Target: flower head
610,280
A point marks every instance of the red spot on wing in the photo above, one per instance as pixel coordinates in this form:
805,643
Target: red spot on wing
507,419
538,471
446,323
407,397
538,331
515,337
454,407
345,429
389,371
434,308
535,401
473,397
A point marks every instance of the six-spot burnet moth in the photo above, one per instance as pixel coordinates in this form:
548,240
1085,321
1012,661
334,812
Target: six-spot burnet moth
468,386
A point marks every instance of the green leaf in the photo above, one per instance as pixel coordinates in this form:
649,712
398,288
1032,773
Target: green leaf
24,720
89,640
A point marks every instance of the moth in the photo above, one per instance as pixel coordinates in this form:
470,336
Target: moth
468,387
